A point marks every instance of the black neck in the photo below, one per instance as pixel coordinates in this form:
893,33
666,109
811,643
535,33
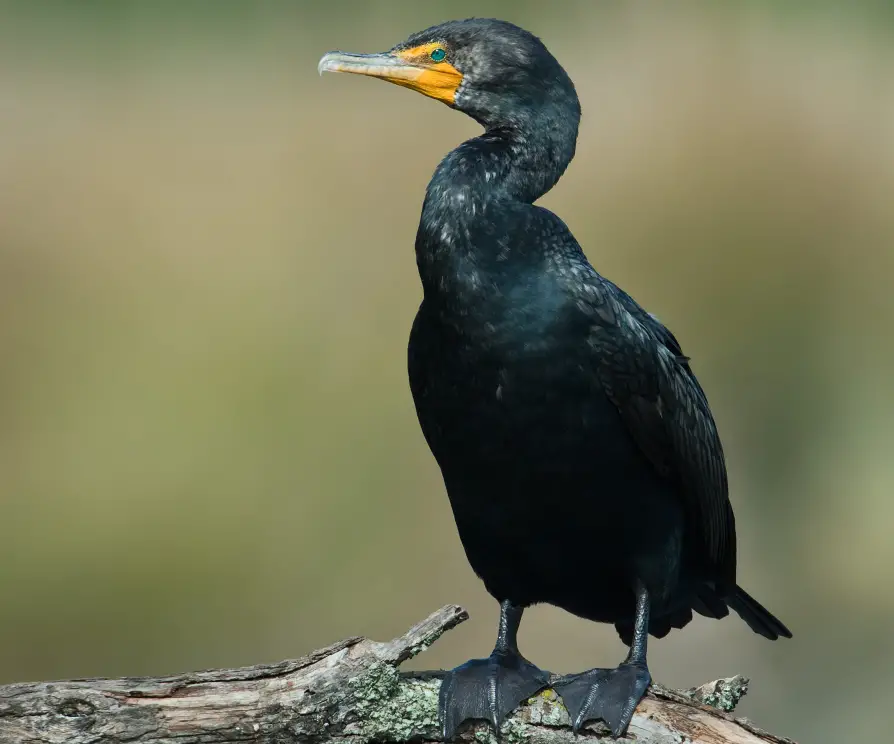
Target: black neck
508,163
482,183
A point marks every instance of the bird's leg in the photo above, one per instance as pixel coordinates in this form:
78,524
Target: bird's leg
491,688
612,694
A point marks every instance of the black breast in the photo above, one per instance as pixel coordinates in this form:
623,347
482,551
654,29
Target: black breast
536,459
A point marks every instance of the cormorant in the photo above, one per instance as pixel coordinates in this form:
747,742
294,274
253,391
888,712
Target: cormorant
582,462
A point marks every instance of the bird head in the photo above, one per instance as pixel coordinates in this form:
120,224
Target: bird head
492,70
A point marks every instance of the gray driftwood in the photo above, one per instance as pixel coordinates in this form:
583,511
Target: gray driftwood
348,693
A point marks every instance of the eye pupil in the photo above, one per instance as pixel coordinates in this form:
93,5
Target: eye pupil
438,55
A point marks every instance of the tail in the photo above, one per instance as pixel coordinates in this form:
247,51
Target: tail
711,601
758,617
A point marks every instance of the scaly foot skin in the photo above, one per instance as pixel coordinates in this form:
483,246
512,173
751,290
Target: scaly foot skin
609,694
488,689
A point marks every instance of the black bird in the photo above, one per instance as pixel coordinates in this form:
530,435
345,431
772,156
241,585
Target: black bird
581,459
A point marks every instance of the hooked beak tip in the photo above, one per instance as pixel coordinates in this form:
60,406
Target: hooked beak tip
325,63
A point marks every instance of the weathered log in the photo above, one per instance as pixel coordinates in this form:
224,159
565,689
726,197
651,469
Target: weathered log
350,692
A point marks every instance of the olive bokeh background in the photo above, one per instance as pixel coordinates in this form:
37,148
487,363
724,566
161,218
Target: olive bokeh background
208,449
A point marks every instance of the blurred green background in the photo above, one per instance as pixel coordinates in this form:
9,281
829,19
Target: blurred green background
208,449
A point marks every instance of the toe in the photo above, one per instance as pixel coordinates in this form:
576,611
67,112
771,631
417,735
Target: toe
579,694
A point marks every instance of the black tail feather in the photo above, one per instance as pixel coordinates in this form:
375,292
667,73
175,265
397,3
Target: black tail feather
710,604
758,618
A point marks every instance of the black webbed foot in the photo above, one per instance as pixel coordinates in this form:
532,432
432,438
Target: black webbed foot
609,694
488,689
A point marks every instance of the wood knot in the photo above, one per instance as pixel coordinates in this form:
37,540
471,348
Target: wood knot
75,708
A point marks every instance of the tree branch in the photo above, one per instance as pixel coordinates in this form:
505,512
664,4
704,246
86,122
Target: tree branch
348,693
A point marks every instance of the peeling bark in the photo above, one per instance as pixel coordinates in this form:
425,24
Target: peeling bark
350,692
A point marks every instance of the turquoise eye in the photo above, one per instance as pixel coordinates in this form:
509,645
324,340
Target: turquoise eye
439,55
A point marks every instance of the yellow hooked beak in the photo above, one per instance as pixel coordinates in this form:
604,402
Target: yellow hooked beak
414,68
